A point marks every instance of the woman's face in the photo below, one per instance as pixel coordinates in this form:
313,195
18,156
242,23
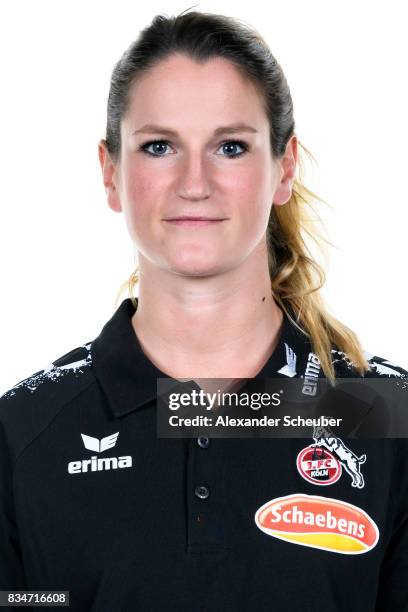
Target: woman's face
192,171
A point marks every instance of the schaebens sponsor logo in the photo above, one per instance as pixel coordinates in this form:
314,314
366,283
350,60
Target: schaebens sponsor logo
319,522
99,464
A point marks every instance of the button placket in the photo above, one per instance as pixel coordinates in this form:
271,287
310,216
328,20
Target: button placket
202,491
203,441
205,515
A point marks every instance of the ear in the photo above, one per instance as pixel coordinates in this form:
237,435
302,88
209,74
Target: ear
287,164
109,171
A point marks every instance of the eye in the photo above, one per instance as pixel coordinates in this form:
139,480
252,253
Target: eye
157,147
232,144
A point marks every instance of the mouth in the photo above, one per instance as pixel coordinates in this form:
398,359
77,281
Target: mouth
193,221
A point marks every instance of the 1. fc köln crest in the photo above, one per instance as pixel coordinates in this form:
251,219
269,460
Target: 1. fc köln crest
321,463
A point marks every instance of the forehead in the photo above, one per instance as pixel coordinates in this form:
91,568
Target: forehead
179,86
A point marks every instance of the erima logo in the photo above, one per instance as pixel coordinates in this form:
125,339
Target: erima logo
311,375
98,446
289,369
99,464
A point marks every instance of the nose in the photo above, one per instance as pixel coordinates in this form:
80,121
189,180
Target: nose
194,182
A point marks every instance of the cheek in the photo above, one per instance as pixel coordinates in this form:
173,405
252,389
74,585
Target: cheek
251,194
142,196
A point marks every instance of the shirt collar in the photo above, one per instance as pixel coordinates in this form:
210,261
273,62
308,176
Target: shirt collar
129,379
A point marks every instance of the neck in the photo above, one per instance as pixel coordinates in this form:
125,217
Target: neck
216,326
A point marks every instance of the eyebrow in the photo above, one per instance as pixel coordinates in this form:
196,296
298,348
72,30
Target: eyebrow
151,128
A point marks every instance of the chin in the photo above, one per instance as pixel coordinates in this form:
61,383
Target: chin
192,262
190,269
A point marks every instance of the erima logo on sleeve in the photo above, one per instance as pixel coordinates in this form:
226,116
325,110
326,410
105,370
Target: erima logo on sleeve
311,375
99,464
289,369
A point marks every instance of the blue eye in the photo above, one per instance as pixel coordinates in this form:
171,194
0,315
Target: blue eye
159,147
235,143
154,143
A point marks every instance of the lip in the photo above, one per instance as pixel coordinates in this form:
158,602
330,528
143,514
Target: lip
193,222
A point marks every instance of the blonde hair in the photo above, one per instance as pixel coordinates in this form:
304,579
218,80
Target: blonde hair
296,277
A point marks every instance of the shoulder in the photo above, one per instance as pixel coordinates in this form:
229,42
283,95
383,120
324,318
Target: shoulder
378,399
68,366
382,366
29,406
379,366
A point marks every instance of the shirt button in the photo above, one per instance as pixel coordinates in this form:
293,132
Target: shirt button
203,442
202,492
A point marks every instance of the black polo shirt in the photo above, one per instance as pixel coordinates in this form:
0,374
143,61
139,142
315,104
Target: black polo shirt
95,503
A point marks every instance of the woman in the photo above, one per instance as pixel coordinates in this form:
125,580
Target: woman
201,156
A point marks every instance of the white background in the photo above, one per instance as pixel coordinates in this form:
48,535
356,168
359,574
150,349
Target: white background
64,253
